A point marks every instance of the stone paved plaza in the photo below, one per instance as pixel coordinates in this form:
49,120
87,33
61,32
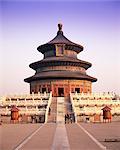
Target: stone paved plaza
83,136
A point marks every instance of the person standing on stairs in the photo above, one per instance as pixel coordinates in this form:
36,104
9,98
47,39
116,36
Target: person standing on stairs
71,119
49,111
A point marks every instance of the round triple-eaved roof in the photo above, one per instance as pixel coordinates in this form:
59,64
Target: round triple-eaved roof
59,39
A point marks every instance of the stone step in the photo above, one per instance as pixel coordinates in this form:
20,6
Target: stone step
67,108
53,112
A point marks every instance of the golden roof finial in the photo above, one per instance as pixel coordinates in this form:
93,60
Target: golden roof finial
60,27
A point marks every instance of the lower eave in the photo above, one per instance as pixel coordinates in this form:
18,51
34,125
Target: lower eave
60,75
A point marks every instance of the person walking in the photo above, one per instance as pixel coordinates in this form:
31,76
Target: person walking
68,118
49,111
71,119
65,118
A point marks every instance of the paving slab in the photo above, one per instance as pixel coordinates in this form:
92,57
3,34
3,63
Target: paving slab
12,134
79,140
102,131
42,140
59,136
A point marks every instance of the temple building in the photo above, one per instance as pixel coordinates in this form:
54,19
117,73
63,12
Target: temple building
60,71
60,86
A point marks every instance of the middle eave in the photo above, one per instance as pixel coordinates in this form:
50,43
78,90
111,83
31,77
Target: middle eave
60,61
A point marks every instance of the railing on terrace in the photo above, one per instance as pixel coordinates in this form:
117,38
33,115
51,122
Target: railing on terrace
26,103
93,103
96,102
26,96
94,99
96,96
48,106
74,108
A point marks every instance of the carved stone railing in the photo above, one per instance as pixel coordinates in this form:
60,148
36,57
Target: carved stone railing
48,107
92,103
23,102
73,106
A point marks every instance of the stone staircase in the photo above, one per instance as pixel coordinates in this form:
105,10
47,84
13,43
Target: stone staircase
59,107
53,112
68,107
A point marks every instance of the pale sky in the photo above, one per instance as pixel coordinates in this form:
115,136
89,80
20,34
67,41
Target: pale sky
24,25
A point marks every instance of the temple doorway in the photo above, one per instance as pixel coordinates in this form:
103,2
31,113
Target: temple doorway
60,91
43,90
77,90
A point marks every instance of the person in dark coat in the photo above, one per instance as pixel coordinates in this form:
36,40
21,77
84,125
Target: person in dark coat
71,119
65,118
68,117
49,111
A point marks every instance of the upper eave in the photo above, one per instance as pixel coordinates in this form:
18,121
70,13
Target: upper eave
60,39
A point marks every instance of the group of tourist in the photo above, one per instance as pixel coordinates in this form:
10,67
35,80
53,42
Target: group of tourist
37,119
68,118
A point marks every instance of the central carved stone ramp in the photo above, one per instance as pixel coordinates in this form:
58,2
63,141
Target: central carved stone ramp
60,110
